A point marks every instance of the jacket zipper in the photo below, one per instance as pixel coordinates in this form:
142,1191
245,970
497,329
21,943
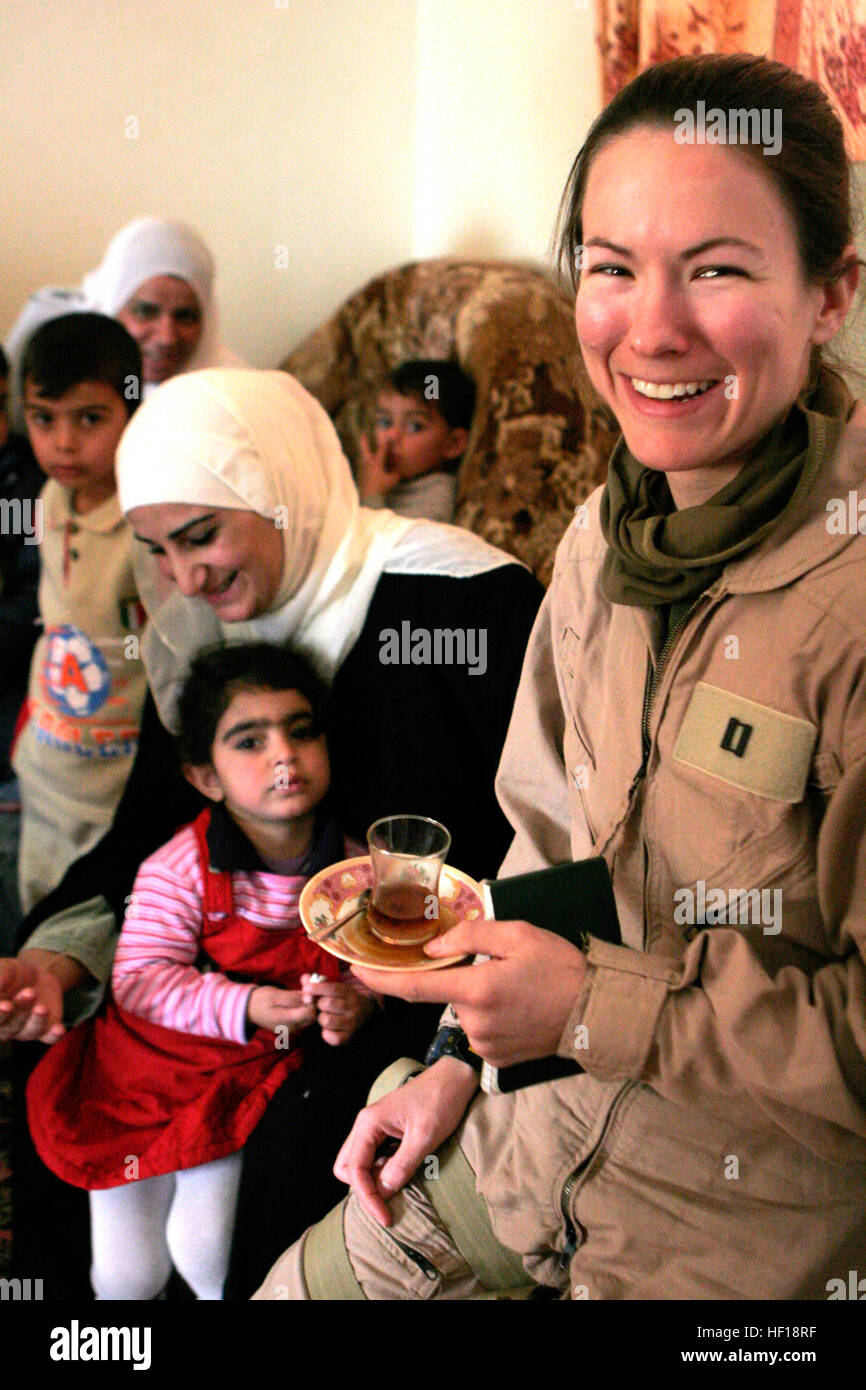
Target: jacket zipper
582,1172
651,685
427,1269
653,680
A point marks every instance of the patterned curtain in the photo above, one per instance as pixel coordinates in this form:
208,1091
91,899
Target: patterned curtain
823,39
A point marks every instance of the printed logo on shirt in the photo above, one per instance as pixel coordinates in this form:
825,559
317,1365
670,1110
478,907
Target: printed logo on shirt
75,677
70,736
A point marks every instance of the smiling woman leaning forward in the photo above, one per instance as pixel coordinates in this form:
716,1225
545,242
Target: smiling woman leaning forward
250,528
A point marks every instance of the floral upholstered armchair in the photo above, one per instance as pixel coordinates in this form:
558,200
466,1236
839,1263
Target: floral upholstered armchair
538,445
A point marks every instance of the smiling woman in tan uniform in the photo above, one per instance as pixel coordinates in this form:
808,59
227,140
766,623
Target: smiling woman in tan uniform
693,709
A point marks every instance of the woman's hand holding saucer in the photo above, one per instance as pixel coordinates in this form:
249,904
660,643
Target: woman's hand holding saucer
514,1006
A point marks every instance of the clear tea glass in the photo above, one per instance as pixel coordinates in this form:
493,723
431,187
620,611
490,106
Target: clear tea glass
407,854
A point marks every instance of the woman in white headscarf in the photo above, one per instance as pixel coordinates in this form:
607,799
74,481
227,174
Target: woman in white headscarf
249,527
157,278
258,446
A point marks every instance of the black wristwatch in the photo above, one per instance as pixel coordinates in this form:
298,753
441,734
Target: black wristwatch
451,1041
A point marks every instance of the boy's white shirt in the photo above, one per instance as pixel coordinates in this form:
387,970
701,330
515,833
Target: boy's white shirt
87,683
432,496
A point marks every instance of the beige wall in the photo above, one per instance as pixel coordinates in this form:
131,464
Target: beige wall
356,133
505,94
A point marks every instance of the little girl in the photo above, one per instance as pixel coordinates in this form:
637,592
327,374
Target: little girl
214,983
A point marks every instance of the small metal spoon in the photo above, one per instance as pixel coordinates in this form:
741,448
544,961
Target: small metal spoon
325,932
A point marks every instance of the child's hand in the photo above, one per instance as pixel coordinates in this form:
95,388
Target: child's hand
270,1007
375,477
31,1002
340,1008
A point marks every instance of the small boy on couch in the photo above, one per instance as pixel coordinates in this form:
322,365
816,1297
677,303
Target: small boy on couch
423,415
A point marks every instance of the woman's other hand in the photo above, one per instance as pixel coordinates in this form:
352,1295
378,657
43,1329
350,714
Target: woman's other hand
421,1114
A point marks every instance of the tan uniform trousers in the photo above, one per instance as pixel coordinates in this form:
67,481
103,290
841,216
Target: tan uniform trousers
667,1206
436,1247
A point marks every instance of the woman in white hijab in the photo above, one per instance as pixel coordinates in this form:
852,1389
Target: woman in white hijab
249,527
257,446
157,278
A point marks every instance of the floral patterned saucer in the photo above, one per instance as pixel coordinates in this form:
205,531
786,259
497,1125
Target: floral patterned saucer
333,892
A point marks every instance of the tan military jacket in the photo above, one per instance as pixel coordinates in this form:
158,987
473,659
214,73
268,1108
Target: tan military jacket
726,788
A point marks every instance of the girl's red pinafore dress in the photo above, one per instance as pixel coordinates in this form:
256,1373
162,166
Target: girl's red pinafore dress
120,1098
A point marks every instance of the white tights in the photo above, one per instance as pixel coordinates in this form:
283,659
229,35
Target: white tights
184,1219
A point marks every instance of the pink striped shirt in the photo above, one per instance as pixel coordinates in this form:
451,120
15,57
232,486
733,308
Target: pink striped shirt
154,975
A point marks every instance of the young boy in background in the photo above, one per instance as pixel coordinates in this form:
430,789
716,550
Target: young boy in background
81,381
423,416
